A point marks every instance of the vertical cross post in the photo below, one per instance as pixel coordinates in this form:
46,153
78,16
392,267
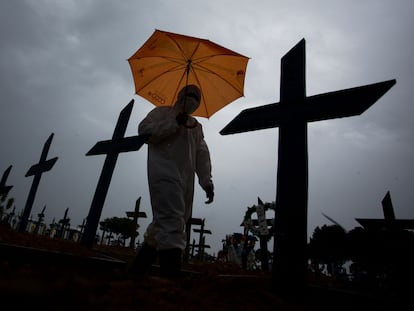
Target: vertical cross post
111,148
64,222
388,209
292,180
82,226
36,170
291,115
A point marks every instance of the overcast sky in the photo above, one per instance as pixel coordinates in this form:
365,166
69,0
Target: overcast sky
64,70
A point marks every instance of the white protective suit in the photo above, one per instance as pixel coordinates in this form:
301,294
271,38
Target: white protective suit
175,154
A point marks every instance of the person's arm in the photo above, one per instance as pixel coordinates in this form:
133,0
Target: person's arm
160,123
203,170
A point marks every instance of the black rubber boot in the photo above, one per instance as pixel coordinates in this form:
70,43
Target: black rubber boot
143,261
170,263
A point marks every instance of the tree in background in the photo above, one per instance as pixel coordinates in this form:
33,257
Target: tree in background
328,248
121,226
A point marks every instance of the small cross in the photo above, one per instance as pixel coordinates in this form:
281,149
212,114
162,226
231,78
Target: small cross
39,220
64,223
135,215
111,148
36,170
190,222
201,240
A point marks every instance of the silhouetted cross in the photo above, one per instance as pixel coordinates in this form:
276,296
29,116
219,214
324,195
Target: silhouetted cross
64,223
201,240
190,222
39,221
135,215
36,170
111,148
291,115
389,222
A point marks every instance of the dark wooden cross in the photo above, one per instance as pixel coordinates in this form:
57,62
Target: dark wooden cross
389,222
4,190
64,223
111,148
39,221
135,215
82,226
201,240
201,248
292,115
36,170
192,221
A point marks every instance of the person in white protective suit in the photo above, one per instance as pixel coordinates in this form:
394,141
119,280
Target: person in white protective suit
176,152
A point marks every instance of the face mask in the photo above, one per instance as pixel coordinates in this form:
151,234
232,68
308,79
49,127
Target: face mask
188,99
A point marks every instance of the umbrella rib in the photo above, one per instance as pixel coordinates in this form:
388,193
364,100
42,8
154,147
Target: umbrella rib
202,68
178,47
202,94
176,68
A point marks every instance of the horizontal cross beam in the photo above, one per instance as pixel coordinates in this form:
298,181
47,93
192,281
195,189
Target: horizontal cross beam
339,104
138,215
202,231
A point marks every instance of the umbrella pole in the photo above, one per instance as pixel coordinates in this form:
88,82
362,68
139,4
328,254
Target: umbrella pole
187,72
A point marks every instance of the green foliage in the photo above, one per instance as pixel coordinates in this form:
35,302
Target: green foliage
328,244
381,257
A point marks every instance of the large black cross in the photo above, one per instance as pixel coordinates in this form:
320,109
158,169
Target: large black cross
4,190
291,115
111,148
36,170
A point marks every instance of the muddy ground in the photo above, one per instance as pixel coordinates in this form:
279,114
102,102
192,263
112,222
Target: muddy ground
53,274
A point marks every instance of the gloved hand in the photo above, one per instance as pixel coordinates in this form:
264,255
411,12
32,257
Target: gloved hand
181,118
209,193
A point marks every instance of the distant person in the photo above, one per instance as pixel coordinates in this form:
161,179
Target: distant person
176,153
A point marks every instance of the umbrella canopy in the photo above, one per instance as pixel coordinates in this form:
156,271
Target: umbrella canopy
167,62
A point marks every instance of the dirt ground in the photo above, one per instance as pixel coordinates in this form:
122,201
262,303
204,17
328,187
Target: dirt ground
54,274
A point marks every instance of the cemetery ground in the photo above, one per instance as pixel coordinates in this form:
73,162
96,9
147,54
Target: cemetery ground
56,274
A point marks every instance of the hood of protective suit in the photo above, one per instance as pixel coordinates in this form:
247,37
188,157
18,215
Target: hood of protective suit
188,99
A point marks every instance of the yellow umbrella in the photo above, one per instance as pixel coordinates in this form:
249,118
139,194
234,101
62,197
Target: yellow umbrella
167,62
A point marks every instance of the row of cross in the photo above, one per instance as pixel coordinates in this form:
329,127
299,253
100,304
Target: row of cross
291,115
